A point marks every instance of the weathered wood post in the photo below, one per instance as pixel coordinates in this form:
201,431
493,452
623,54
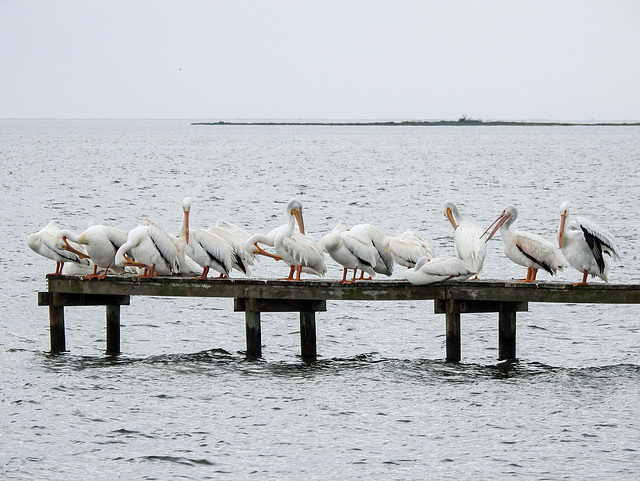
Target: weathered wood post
56,328
56,320
253,333
308,347
507,330
452,315
113,329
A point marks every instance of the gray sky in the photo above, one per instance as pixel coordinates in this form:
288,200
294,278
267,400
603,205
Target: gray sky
324,59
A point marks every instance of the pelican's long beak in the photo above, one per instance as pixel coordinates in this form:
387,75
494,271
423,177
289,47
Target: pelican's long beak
563,219
449,216
186,225
261,251
502,218
131,262
297,213
67,247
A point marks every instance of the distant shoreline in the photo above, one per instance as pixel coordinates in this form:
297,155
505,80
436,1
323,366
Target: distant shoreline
426,123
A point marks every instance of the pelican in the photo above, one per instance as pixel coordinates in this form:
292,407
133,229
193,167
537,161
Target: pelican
237,238
428,271
384,258
470,248
186,265
43,242
151,249
298,249
408,247
528,250
583,244
350,250
206,249
101,244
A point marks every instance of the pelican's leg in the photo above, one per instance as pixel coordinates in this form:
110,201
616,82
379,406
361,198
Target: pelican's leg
526,279
94,275
344,276
291,272
298,272
205,271
584,279
100,277
534,273
58,270
149,273
362,278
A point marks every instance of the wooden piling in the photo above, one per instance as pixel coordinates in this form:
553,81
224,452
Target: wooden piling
507,332
452,321
113,329
308,349
56,329
252,326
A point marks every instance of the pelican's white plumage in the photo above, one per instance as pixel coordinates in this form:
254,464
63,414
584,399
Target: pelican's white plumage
384,258
101,243
351,250
469,246
296,248
206,249
237,238
408,247
584,244
43,242
151,249
428,271
526,249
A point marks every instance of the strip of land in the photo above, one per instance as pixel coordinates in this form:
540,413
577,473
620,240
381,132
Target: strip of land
425,123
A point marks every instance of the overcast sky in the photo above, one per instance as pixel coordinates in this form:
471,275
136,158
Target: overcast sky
324,59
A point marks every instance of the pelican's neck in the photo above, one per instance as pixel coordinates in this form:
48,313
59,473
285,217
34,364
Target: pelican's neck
64,233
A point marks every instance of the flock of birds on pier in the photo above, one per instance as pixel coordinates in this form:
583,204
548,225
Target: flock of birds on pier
150,251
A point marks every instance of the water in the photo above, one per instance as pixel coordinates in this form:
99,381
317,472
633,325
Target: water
181,401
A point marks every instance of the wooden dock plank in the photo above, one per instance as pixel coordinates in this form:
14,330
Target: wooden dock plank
378,290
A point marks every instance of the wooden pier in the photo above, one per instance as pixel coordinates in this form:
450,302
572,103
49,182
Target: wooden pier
253,296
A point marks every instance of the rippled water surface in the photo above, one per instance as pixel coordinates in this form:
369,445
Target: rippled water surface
182,402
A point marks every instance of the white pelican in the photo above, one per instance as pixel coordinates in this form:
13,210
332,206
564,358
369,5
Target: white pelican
528,250
583,244
350,250
428,271
206,249
384,258
186,265
408,247
43,242
101,244
296,248
151,249
237,238
470,248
